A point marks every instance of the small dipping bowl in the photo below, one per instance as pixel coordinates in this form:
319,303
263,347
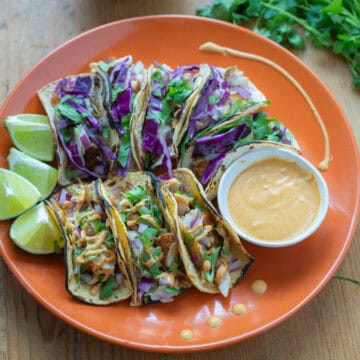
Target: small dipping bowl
253,156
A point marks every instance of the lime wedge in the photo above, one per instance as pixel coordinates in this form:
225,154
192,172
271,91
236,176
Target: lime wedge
43,176
36,231
31,134
16,194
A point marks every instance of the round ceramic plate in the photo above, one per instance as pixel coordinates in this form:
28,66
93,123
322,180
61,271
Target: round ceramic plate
294,275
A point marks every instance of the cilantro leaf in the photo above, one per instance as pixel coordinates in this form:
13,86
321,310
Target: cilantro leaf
107,288
332,24
136,194
148,236
209,275
69,112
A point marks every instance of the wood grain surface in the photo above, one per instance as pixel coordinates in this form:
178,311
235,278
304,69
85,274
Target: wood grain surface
327,328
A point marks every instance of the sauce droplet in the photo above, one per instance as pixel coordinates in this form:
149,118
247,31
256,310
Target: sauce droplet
258,287
214,321
239,309
186,335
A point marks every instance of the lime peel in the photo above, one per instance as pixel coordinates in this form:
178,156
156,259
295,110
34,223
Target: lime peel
17,194
31,134
36,231
41,175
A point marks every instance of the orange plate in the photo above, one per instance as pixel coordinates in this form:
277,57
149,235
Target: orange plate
294,275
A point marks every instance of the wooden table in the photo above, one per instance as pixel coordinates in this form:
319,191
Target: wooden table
31,29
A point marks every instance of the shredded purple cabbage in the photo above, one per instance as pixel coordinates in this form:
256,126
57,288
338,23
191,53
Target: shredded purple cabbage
211,168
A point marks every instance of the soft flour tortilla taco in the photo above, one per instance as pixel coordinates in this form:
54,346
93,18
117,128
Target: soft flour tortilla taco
225,95
95,266
156,132
213,150
86,138
128,87
150,245
211,251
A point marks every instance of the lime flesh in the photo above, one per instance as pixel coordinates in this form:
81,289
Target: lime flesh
36,231
41,175
32,135
16,194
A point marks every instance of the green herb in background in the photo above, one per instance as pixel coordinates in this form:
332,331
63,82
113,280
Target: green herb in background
342,277
332,24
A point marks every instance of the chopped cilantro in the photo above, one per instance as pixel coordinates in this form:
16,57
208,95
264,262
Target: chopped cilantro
107,288
174,266
145,256
156,75
189,241
178,91
98,226
143,210
136,194
213,99
124,215
209,275
197,205
172,291
66,134
68,111
155,270
165,114
148,236
157,252
109,241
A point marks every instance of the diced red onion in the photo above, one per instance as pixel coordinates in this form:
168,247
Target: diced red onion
235,264
145,285
196,258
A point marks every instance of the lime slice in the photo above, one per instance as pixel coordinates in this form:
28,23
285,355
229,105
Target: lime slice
32,135
16,194
43,176
36,231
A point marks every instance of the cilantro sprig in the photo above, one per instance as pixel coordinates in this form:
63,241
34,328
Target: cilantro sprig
331,24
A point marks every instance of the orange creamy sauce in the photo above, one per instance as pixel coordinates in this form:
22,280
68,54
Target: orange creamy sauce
186,334
259,287
274,200
214,321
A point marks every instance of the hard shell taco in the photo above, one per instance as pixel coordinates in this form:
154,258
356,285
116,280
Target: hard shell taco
150,246
211,251
96,272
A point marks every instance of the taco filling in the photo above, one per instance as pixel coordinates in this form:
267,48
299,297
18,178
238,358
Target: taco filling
225,94
158,271
169,91
205,239
95,271
86,141
126,80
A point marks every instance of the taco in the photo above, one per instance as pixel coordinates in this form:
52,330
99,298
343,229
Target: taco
127,82
86,138
211,251
96,271
225,95
156,132
150,245
213,150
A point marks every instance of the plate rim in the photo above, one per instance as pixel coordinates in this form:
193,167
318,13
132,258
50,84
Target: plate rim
206,345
